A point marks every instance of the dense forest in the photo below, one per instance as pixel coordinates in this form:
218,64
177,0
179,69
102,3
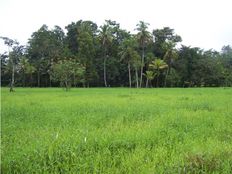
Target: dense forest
86,55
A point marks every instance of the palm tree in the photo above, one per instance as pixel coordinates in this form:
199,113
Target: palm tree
136,63
143,37
158,65
169,57
126,54
150,76
106,38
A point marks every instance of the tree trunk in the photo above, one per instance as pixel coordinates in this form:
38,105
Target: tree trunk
46,81
165,81
74,80
38,79
24,84
150,83
31,80
105,71
137,78
66,85
129,71
50,81
12,78
147,83
157,80
141,70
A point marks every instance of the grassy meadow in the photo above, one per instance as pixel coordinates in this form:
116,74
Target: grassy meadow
116,130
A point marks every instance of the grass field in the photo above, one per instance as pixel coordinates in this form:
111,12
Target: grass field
116,130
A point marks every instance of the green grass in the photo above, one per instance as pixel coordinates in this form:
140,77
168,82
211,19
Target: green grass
116,130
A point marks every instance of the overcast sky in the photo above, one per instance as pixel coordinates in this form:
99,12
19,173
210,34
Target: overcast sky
203,23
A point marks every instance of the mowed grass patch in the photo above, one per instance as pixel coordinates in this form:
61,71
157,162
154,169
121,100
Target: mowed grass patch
116,130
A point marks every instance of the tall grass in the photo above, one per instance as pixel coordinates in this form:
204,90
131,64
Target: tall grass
116,130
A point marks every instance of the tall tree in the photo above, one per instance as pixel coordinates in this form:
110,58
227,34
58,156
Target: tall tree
86,50
187,64
106,39
13,57
170,56
144,37
116,70
45,47
226,54
165,39
126,54
4,68
38,51
136,64
72,35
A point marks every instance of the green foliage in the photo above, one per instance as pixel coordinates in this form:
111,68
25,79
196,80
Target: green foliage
227,64
15,52
111,131
67,72
150,76
143,35
106,38
173,79
158,65
165,39
45,47
201,68
25,68
144,38
86,52
113,56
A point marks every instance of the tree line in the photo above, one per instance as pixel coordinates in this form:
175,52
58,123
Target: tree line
90,56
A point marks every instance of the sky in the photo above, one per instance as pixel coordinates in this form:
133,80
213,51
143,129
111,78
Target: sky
201,23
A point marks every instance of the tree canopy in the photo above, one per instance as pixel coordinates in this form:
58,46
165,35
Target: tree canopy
88,55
